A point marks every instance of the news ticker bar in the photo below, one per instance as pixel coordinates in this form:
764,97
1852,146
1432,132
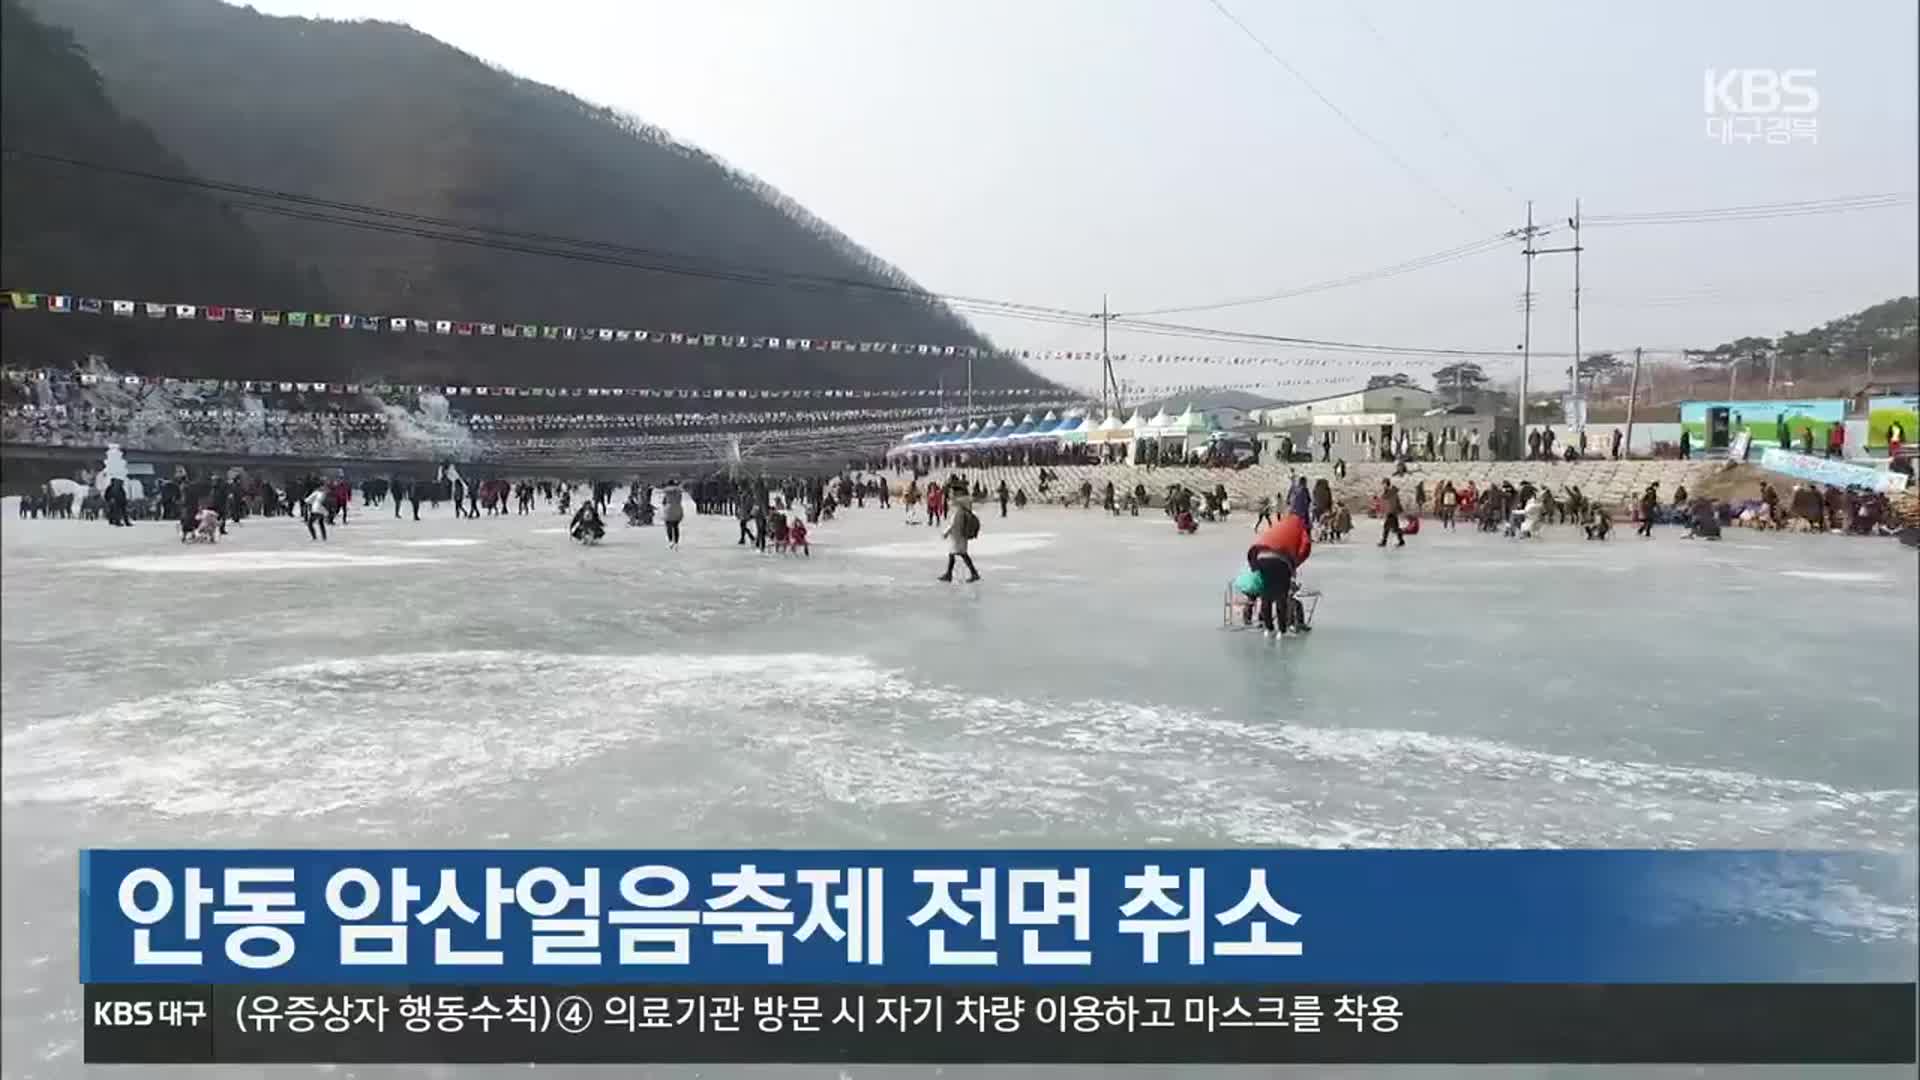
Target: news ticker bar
1775,1023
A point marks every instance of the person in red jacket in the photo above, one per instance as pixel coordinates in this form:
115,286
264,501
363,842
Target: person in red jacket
1278,553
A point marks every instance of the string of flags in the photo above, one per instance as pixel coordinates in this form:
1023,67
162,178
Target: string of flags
384,389
989,398
63,304
883,417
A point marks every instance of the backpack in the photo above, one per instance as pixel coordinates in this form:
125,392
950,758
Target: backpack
970,528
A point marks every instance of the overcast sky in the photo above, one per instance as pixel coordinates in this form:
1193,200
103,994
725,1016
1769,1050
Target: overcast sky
1049,150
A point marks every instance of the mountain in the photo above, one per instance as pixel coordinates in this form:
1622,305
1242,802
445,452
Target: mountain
1889,329
75,233
375,116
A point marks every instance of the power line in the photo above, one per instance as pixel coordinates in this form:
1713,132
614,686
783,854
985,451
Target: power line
719,270
361,216
1755,212
1341,113
1249,337
418,226
1438,258
1433,101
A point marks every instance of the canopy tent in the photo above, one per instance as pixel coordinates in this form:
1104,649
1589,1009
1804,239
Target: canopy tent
908,444
1109,429
1192,423
998,435
1016,432
1074,429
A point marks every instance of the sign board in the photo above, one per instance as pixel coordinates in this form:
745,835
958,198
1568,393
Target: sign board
1741,444
1888,414
1828,471
1768,421
1383,419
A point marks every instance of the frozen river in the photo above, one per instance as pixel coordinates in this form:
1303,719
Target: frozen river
482,683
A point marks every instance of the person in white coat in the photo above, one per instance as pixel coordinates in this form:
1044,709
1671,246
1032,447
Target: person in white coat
316,512
962,528
673,511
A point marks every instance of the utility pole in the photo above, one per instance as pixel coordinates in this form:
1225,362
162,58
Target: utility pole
969,384
1526,329
1633,395
1528,234
1107,379
1579,402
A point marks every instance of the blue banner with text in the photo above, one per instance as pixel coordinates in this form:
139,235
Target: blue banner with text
1162,916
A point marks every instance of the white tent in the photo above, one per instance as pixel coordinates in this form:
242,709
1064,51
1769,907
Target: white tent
1104,431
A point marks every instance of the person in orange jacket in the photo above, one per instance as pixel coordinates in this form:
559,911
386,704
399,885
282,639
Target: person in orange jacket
1278,553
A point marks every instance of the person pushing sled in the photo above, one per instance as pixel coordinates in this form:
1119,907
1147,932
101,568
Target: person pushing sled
1243,599
1276,557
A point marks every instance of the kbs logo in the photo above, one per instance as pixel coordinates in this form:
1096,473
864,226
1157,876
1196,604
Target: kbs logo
123,1014
1761,105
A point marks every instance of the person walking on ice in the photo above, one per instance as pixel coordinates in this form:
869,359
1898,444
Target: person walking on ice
316,513
673,511
962,529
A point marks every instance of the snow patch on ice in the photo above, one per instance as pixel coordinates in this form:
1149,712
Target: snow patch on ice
1835,575
988,544
437,542
801,735
253,562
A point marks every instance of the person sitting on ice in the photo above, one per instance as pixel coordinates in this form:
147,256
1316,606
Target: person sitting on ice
780,530
797,537
206,525
1526,522
1599,523
1184,522
632,509
1703,520
1247,588
586,522
1296,611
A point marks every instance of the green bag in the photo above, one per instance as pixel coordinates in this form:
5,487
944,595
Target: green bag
1250,583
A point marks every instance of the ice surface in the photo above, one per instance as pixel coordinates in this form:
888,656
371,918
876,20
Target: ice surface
475,683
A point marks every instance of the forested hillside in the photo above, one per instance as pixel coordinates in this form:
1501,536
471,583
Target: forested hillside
373,115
